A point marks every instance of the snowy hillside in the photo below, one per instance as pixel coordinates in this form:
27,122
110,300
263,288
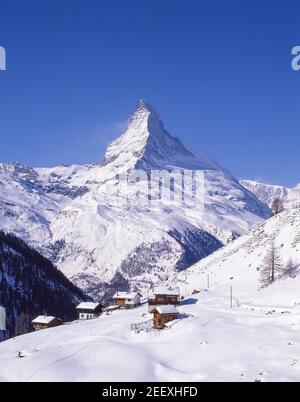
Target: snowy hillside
30,285
268,192
211,342
256,340
66,211
239,264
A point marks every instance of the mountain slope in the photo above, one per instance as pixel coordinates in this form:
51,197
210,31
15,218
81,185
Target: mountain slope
30,285
70,213
257,340
31,198
268,192
239,264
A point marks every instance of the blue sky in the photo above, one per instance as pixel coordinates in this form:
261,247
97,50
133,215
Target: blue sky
217,70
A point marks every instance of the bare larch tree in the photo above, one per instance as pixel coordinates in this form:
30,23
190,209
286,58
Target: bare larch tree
271,269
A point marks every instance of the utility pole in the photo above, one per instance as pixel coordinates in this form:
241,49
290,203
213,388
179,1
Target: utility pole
231,297
208,284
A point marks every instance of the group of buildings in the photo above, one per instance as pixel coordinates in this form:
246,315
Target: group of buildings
162,304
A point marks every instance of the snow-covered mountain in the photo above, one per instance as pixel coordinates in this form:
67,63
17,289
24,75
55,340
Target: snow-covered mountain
146,144
268,192
30,285
256,340
67,214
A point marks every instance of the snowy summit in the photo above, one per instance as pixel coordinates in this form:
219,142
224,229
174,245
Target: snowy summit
63,213
146,144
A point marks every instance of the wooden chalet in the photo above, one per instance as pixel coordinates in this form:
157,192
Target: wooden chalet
45,321
163,315
127,299
89,310
164,295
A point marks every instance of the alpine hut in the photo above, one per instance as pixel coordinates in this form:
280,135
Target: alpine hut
164,296
164,314
127,299
45,321
89,310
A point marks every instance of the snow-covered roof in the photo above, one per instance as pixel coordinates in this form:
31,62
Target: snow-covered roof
125,295
167,309
88,306
166,291
43,319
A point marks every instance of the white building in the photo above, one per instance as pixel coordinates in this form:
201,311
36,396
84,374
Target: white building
89,310
127,299
2,319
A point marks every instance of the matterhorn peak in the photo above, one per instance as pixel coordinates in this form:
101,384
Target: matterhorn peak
142,105
146,144
144,115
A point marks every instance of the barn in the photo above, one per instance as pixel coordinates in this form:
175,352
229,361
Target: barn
127,299
164,314
89,310
45,321
164,296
